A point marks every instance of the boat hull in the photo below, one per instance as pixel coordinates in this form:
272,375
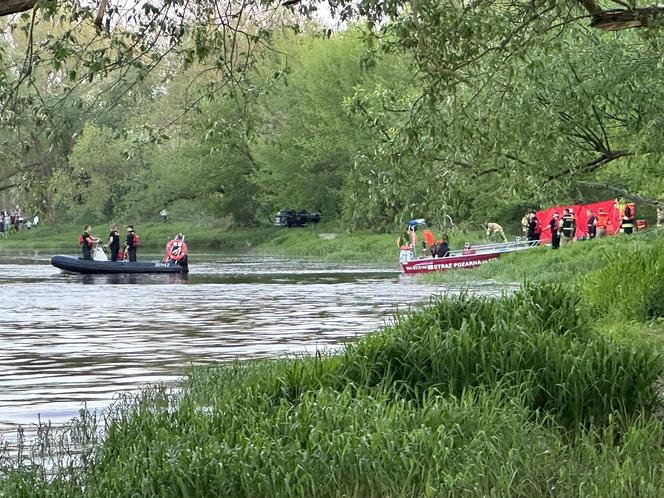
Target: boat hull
458,260
448,263
77,265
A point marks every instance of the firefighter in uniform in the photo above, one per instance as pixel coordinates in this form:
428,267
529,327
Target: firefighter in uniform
627,222
567,227
602,222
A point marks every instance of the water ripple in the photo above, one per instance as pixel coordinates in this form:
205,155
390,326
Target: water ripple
68,341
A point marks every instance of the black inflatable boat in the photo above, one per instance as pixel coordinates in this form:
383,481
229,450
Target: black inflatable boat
78,265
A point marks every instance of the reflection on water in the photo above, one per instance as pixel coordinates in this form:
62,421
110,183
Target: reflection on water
67,340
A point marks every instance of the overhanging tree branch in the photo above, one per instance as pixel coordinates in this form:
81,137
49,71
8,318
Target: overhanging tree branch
616,20
8,7
8,186
591,166
650,201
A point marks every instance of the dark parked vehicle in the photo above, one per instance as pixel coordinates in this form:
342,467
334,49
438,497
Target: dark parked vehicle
291,218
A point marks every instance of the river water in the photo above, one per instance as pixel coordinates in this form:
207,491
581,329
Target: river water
72,341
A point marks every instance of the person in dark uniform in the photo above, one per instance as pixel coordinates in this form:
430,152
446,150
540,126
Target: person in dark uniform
442,248
627,222
114,242
534,228
592,224
86,240
553,226
130,243
568,227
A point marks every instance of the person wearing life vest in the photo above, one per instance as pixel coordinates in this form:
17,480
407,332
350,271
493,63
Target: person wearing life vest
176,250
591,224
429,241
627,222
567,227
114,242
86,241
534,229
131,243
405,247
602,223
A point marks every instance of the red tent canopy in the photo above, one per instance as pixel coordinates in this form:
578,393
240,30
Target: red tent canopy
612,207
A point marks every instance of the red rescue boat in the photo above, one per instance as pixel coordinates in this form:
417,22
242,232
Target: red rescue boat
466,258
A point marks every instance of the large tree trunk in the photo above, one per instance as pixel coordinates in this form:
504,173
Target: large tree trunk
14,6
616,20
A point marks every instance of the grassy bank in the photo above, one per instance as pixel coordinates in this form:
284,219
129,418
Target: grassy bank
199,236
567,264
531,394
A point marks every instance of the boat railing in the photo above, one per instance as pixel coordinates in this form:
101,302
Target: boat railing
494,248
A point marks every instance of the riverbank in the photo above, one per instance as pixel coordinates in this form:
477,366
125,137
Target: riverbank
551,391
325,242
565,265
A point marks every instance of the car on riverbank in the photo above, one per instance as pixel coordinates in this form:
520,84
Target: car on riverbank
290,218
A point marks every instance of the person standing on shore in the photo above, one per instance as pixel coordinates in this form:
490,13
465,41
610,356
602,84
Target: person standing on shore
568,227
592,224
602,222
114,242
553,226
534,229
627,222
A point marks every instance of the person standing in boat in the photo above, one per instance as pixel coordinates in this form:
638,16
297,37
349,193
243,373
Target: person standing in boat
86,241
176,250
405,247
131,243
442,248
114,242
428,242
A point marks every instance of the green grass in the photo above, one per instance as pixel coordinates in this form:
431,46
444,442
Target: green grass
152,235
554,390
356,246
522,395
543,264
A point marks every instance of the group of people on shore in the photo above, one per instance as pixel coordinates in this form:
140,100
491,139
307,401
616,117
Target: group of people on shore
14,220
176,249
563,231
563,228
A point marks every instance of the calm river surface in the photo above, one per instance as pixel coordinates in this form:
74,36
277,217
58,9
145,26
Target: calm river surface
69,341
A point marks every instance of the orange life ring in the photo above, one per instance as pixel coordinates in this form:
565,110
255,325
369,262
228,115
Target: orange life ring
176,250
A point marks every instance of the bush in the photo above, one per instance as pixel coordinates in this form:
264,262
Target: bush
630,285
535,339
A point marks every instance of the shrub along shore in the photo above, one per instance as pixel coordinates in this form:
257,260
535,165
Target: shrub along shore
551,391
